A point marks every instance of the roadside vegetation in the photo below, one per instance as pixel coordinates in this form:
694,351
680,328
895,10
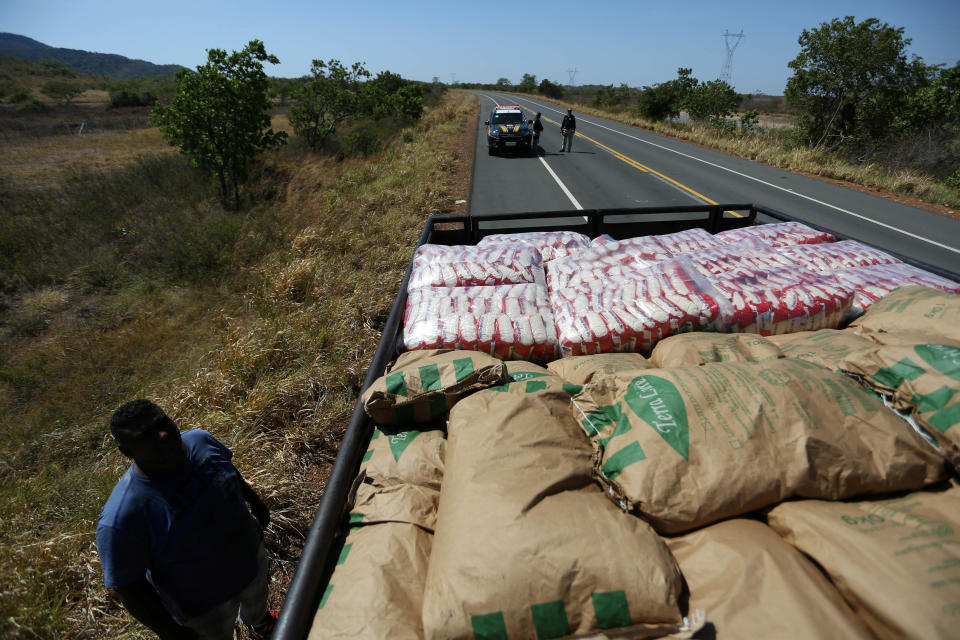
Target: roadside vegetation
122,275
860,110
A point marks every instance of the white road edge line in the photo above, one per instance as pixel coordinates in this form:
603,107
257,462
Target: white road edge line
769,184
563,187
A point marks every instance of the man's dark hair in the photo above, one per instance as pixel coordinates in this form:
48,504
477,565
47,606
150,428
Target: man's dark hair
132,416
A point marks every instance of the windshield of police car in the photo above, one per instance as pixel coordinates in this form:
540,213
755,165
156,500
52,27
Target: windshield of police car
507,117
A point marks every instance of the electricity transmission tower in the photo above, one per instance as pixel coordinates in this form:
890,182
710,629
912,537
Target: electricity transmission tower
726,72
573,73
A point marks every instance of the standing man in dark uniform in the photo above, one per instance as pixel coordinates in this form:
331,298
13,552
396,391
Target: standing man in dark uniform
537,129
568,129
176,541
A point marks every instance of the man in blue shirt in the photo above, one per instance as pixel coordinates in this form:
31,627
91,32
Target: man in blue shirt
176,540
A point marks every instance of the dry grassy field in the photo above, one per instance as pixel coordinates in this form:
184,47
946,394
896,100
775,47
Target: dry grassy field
122,277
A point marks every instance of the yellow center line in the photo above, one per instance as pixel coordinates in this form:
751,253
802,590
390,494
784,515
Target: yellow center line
642,167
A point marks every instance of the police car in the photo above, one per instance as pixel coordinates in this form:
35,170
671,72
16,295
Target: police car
507,130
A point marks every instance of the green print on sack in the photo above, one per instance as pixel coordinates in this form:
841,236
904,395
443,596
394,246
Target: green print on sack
430,377
326,596
396,384
602,417
611,609
344,553
943,358
400,441
490,626
899,373
657,402
945,418
550,620
462,367
622,459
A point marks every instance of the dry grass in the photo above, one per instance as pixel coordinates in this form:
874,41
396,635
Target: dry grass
270,361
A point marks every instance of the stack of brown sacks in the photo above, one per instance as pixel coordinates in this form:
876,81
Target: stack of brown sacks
732,460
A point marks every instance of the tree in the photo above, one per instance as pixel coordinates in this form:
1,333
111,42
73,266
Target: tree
330,94
528,84
61,91
714,100
218,117
550,89
390,95
851,80
503,83
664,100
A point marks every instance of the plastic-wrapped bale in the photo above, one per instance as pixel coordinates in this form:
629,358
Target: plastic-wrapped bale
836,255
909,311
686,241
510,321
399,478
897,562
826,347
749,254
702,347
687,446
422,386
755,585
630,314
778,300
467,265
506,560
605,260
778,234
873,282
922,379
550,244
580,370
376,590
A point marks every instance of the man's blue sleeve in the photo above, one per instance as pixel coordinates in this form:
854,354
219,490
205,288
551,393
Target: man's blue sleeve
124,555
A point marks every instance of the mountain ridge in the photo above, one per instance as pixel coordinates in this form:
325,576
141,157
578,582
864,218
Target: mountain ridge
108,64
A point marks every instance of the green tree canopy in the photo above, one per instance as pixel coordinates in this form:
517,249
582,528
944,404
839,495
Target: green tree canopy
711,100
330,94
218,116
61,91
503,83
851,79
528,84
550,89
664,100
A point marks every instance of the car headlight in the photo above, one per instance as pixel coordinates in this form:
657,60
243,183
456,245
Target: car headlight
494,133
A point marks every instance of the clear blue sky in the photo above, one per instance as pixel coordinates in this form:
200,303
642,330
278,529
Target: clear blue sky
637,43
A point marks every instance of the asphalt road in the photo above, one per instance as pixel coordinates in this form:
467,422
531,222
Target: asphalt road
614,165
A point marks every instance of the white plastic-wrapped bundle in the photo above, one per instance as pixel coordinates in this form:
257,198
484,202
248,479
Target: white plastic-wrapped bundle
779,300
508,321
779,234
872,283
836,255
602,261
630,312
550,244
465,266
751,254
685,241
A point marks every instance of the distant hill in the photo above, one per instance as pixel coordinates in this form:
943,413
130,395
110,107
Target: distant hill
106,64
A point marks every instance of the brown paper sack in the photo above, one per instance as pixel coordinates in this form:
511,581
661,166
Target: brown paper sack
688,446
534,378
399,478
422,386
376,590
917,310
701,347
754,585
923,379
582,369
827,347
897,562
526,545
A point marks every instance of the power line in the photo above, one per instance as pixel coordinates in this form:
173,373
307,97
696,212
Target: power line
726,72
573,73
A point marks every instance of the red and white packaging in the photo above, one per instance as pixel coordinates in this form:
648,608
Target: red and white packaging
778,300
778,234
686,241
750,254
508,321
836,255
611,259
630,313
872,283
467,266
550,244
